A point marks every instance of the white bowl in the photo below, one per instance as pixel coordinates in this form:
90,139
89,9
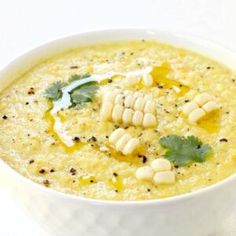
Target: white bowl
196,214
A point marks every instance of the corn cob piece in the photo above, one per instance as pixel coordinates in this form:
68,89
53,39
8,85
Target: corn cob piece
123,142
201,105
130,108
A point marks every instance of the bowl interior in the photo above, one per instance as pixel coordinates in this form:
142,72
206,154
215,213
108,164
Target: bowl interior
25,62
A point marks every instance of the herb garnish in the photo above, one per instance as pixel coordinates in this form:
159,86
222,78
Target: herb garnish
182,151
54,92
83,93
79,95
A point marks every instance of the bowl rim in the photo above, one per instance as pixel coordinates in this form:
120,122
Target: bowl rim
137,203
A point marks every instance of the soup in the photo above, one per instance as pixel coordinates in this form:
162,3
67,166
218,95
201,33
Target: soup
128,120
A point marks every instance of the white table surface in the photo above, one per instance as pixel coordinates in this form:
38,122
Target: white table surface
26,23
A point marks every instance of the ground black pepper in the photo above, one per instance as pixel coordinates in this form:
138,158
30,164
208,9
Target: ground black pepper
116,126
46,183
31,91
144,158
115,174
223,140
42,171
76,139
74,67
92,139
31,161
4,117
73,171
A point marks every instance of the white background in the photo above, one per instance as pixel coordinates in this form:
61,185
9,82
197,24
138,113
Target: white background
26,23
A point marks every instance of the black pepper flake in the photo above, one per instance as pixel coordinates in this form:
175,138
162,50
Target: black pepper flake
73,171
186,100
46,183
131,53
110,81
92,139
115,174
42,171
31,161
208,67
166,111
116,126
149,190
224,140
176,166
52,170
91,181
74,67
4,117
160,86
107,136
143,157
31,91
116,191
76,139
27,103
233,80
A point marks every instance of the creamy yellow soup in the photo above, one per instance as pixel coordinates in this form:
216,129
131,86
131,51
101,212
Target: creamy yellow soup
89,165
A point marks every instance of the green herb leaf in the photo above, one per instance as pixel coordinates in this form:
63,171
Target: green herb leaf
84,93
77,77
54,91
182,151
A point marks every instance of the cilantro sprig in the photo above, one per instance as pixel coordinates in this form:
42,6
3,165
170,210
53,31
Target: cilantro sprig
79,96
53,92
84,93
184,150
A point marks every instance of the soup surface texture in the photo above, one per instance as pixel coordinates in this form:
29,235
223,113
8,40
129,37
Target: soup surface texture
67,145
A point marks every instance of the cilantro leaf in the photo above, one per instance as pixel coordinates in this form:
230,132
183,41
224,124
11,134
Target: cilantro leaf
77,77
54,91
84,93
183,151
